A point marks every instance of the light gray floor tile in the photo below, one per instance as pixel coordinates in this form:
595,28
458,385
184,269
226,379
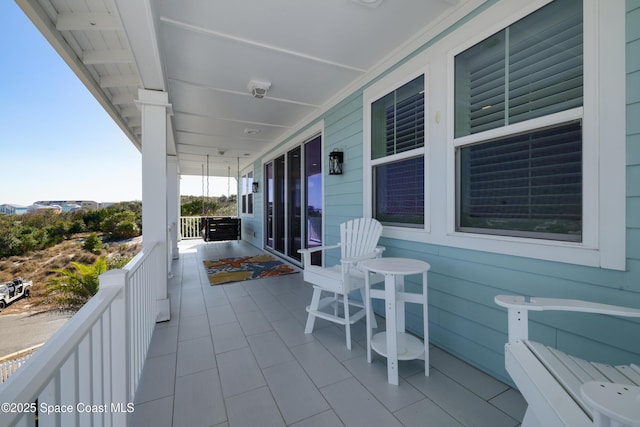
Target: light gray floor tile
254,408
478,382
221,314
163,341
157,379
295,394
156,413
239,372
325,419
356,406
468,408
418,413
269,349
193,327
511,402
198,400
321,366
243,304
228,337
374,377
253,322
291,331
195,355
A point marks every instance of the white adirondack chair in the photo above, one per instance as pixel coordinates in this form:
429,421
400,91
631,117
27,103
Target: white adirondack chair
563,390
358,241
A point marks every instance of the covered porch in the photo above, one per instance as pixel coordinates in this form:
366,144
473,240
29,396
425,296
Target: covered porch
236,354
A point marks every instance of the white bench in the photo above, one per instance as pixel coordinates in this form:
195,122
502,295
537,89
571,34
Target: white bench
562,390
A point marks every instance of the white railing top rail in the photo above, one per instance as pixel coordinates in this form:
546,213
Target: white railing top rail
138,260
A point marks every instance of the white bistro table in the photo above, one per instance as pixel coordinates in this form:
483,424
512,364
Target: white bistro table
394,343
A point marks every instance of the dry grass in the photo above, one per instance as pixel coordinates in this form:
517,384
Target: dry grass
38,267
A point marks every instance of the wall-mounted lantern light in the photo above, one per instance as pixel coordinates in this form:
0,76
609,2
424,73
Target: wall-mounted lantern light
336,159
255,186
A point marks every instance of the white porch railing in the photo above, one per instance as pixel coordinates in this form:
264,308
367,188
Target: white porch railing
190,227
10,363
87,373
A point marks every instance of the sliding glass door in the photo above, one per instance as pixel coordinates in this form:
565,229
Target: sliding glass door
293,198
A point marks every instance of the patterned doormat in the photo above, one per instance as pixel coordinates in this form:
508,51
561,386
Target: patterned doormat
228,270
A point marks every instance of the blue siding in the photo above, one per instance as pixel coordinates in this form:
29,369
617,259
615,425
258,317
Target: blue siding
464,320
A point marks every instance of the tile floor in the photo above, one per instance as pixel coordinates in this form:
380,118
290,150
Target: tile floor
236,355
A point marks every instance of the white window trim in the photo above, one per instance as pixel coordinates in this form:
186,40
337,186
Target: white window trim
382,88
604,122
243,176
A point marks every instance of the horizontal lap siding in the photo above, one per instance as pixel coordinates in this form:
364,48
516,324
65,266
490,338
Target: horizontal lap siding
343,193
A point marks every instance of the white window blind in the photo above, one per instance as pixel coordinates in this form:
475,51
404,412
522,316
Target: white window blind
398,120
530,69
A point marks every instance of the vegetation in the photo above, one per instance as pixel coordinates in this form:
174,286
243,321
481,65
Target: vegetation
208,206
72,289
21,234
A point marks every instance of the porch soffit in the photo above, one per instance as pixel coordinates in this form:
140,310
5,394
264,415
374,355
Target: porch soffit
204,54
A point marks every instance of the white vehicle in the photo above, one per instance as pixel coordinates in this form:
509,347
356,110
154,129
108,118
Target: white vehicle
14,290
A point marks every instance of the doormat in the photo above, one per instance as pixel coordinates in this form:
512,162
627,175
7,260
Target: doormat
228,270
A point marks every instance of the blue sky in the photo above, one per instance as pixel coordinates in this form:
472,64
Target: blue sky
56,141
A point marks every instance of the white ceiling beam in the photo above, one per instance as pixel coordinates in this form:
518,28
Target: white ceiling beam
258,44
119,81
107,56
123,98
87,22
130,111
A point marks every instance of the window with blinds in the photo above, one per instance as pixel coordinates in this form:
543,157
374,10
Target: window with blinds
397,120
527,184
399,192
530,69
397,127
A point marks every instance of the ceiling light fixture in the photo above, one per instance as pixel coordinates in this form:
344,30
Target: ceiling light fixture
251,131
258,89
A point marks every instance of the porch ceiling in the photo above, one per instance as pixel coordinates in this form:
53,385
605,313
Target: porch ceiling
205,53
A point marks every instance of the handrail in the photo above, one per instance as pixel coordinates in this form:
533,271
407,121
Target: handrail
87,372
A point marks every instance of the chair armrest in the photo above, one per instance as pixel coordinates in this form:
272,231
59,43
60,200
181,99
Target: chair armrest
306,253
317,248
519,306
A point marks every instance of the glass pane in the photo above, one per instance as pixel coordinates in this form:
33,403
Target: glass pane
268,197
278,204
397,120
294,226
313,174
527,185
480,86
399,192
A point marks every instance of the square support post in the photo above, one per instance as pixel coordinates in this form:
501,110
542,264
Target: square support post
154,106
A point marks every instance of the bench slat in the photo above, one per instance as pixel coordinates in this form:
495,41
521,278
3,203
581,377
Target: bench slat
613,374
555,362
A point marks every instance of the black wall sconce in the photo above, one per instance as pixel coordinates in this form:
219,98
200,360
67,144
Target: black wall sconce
255,186
336,158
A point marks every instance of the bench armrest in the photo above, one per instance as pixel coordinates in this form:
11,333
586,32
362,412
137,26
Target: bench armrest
613,402
519,306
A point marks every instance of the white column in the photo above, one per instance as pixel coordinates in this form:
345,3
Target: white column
173,201
153,105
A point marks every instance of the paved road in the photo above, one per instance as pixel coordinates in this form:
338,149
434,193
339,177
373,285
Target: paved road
21,331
